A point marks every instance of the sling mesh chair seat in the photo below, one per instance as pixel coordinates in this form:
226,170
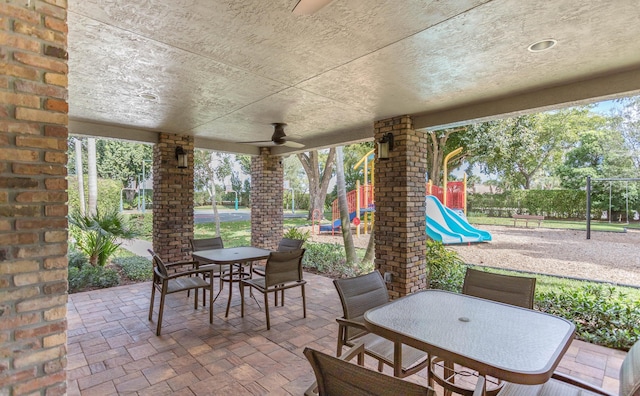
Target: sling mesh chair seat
563,385
282,271
507,289
209,244
338,377
168,283
285,245
357,296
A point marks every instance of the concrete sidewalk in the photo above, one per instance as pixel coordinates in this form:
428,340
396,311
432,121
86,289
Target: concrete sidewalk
137,246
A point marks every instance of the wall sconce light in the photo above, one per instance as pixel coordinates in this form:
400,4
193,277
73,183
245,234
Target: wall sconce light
385,146
181,156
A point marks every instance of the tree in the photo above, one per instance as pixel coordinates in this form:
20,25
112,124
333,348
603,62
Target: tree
522,148
210,170
439,144
123,161
627,122
92,171
318,179
600,154
349,246
79,174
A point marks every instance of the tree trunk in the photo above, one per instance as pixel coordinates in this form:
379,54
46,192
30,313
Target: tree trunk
93,176
318,183
369,255
80,175
349,247
214,205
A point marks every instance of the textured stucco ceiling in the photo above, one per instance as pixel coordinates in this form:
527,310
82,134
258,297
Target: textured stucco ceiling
223,71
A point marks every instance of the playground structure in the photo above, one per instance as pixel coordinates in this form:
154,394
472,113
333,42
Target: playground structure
446,208
360,202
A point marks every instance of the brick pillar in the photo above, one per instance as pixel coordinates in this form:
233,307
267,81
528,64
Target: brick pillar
172,198
267,176
33,196
400,233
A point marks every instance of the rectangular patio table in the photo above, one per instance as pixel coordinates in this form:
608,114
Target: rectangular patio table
503,341
231,256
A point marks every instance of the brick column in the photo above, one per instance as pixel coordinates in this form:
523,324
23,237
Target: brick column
172,198
400,189
33,223
267,176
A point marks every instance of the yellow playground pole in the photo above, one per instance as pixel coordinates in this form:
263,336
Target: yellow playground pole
444,176
464,203
363,161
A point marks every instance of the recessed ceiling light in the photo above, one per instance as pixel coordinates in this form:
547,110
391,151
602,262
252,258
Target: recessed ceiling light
542,45
148,96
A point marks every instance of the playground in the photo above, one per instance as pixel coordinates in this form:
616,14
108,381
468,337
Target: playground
607,256
446,208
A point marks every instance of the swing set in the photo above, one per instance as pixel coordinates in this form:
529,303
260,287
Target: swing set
610,180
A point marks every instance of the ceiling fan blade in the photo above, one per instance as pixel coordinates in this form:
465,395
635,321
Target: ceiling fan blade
291,144
308,7
256,142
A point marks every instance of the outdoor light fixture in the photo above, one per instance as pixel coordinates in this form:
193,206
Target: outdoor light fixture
385,145
181,156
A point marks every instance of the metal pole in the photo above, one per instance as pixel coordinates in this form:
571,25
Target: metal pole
121,203
588,207
236,200
627,194
609,202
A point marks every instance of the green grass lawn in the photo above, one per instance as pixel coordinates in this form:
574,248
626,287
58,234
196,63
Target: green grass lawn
238,233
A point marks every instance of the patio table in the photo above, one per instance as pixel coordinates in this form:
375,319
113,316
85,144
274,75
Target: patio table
231,256
503,341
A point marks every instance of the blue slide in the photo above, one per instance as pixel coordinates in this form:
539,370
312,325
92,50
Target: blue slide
336,224
446,226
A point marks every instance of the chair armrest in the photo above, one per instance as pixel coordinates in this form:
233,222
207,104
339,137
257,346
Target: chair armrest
580,384
480,384
194,264
356,350
186,273
351,323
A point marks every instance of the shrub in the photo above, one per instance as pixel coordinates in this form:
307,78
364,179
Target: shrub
295,233
108,193
96,235
135,268
324,257
602,315
445,269
76,259
90,276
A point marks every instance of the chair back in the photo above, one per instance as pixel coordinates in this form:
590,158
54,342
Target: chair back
630,372
158,264
283,267
206,244
337,377
360,294
508,289
287,244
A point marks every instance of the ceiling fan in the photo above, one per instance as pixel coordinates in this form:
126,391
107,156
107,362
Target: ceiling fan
279,138
308,7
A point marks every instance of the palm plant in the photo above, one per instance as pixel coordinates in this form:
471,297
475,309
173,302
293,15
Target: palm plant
96,235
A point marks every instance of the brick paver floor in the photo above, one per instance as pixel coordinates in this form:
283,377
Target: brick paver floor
113,349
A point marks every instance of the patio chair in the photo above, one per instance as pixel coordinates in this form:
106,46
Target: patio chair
283,270
564,385
507,289
208,244
178,281
285,245
338,377
358,295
